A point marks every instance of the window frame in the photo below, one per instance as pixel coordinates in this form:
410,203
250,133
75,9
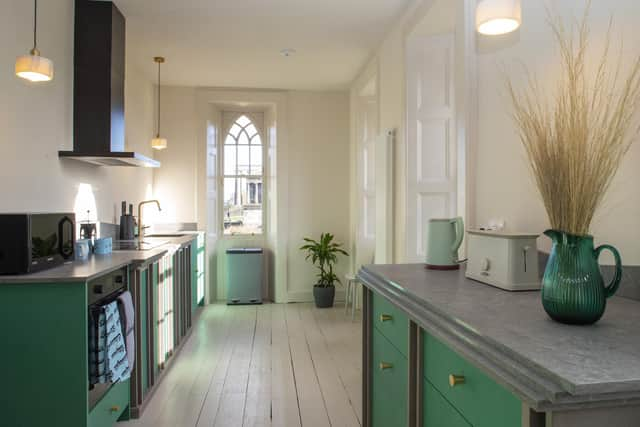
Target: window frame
229,119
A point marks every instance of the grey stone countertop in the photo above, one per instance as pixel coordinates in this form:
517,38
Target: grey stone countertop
98,265
547,364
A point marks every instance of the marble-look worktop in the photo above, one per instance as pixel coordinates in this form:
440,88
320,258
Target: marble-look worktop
508,334
98,265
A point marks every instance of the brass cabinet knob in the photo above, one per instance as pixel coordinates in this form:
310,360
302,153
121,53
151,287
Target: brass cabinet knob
385,317
384,365
114,408
455,380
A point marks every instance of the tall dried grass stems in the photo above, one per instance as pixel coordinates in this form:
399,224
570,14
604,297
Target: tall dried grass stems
575,142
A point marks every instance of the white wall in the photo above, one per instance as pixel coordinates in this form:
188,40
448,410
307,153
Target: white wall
498,183
318,171
174,182
36,121
312,173
504,187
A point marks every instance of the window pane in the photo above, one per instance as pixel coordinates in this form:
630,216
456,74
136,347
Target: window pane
211,164
251,130
256,140
235,130
243,138
242,215
229,159
243,160
229,140
256,160
243,121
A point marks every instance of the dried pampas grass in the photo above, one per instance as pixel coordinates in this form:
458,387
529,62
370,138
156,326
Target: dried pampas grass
575,143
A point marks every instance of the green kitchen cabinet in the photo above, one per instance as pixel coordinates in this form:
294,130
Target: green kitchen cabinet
437,411
482,401
407,374
109,409
388,383
201,251
44,356
391,322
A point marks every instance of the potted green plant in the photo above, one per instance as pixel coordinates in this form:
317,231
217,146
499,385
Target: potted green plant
324,254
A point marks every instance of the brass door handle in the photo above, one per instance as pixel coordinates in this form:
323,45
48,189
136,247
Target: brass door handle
384,365
114,409
455,380
385,317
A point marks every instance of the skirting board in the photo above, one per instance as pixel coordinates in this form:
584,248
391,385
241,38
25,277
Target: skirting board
307,295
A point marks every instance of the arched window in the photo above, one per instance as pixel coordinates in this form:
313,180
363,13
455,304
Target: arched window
243,177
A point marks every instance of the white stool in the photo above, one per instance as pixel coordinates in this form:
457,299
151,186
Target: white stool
351,295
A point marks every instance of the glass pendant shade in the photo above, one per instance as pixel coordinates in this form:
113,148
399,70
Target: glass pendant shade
158,143
495,17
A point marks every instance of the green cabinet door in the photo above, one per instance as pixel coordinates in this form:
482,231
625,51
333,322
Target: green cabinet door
388,384
391,322
194,275
482,401
437,412
154,270
112,407
143,320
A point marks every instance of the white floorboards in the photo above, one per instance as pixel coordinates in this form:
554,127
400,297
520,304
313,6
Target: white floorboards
268,365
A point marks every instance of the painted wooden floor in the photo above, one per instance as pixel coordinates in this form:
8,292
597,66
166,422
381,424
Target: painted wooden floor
269,365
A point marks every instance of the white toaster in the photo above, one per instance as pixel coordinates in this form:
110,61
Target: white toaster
505,260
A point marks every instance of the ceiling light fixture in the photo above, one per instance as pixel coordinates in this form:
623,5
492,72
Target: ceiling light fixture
157,142
495,17
287,52
34,67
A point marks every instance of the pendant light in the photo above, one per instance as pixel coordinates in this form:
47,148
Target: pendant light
495,17
157,142
34,67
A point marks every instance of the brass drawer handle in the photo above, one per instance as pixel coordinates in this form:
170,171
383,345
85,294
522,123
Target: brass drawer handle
114,408
385,365
385,317
455,380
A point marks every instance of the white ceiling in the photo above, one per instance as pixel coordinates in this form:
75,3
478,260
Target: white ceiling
237,43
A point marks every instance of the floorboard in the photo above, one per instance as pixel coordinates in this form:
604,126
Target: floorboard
267,365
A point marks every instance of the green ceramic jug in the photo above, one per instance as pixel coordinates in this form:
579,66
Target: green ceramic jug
444,239
573,289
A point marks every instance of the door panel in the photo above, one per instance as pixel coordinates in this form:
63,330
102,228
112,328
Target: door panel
431,145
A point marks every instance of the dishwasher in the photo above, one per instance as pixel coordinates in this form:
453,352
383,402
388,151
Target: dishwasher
245,275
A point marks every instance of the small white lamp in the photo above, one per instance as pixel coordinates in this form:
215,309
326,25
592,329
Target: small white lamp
34,67
495,17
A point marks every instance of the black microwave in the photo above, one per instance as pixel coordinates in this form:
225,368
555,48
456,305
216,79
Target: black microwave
31,242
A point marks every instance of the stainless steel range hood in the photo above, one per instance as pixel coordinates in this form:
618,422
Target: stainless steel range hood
98,88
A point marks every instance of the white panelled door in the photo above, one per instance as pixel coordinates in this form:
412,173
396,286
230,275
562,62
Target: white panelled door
431,140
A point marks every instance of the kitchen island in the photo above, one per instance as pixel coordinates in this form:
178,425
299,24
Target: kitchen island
44,329
441,350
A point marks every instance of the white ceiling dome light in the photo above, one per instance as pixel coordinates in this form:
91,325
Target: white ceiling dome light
495,17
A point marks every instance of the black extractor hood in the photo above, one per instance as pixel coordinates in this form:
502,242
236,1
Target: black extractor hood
98,88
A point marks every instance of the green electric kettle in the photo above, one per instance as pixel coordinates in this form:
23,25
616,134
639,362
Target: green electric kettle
443,241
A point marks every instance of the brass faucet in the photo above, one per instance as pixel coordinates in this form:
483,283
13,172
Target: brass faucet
141,226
